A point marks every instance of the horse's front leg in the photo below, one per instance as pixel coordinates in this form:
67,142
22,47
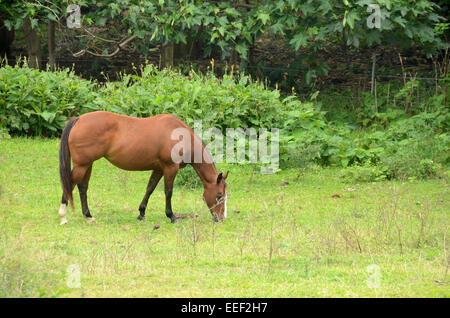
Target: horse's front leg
169,178
152,183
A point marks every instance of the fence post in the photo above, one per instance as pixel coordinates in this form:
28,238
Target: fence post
51,45
374,58
167,55
33,44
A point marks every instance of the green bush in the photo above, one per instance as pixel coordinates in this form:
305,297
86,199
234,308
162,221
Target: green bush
4,133
398,147
364,173
415,157
34,102
187,177
222,103
412,147
389,145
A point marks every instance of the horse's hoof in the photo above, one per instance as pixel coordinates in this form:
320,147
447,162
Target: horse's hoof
63,221
174,220
141,218
92,220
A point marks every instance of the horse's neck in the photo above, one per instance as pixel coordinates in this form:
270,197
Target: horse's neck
206,171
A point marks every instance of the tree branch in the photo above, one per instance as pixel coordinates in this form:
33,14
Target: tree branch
97,37
242,5
119,47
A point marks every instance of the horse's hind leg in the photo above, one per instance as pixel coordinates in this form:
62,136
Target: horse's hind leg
152,183
82,189
169,177
63,210
78,174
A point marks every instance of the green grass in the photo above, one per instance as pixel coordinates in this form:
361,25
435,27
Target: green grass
292,240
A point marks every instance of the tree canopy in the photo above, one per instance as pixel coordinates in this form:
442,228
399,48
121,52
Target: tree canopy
233,26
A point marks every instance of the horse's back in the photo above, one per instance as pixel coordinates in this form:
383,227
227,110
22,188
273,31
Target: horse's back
128,142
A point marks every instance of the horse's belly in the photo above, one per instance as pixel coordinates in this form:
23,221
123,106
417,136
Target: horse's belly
135,166
134,163
134,158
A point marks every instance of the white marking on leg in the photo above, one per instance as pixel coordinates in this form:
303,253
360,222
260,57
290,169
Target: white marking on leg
62,213
91,220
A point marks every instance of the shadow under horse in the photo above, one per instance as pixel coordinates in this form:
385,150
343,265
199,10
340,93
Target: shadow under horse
135,144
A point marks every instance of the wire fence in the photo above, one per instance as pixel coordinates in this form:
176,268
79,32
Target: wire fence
378,76
253,67
407,74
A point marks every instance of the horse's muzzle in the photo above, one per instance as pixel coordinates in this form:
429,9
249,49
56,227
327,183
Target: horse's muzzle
217,218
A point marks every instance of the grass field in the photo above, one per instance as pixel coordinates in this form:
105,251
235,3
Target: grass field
291,234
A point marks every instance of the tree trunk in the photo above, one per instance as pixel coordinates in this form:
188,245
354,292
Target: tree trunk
167,55
51,45
250,58
6,39
33,44
234,59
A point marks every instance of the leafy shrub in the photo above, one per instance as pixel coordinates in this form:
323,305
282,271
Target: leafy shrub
4,133
413,147
222,103
302,133
414,158
39,103
301,156
187,177
394,145
364,173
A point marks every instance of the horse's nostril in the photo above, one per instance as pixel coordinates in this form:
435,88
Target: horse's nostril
215,218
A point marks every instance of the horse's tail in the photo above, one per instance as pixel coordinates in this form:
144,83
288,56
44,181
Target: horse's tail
65,172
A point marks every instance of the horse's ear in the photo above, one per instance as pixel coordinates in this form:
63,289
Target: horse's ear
226,175
219,178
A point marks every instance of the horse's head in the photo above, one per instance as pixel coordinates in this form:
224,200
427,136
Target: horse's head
215,196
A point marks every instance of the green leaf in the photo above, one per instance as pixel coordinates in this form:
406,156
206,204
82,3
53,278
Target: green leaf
264,17
277,28
353,39
351,18
300,39
34,23
373,36
242,49
409,33
307,8
325,6
8,24
208,20
49,117
180,37
155,32
310,75
101,20
232,12
400,21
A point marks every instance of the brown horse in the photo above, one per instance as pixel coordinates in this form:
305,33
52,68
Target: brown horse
135,144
